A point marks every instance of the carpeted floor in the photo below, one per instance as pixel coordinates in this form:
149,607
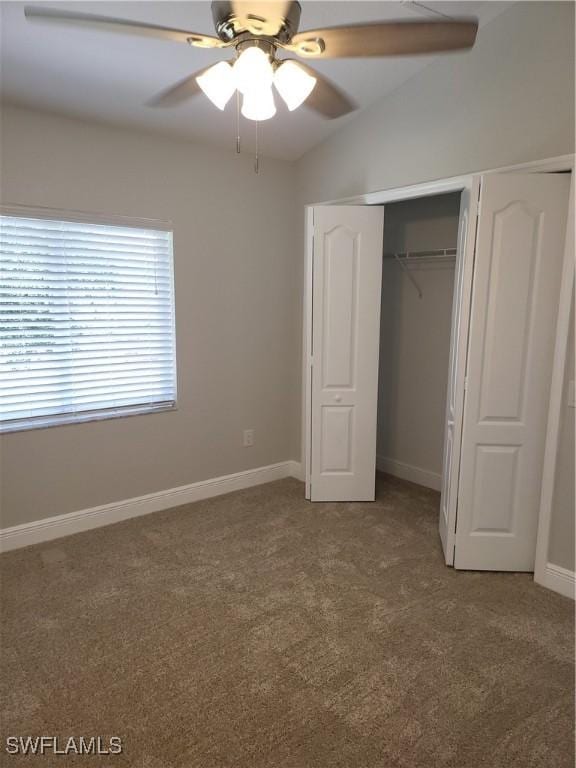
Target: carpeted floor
256,630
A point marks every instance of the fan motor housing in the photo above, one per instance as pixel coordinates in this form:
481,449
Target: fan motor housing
269,19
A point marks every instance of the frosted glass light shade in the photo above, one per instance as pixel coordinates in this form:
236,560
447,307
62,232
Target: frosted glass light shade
253,70
218,83
293,83
258,104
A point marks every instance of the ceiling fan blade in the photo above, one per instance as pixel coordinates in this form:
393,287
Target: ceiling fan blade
326,98
123,26
394,38
185,89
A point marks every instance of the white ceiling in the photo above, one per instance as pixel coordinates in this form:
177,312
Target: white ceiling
109,78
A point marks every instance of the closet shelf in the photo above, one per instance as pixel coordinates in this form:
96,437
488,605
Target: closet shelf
406,258
443,254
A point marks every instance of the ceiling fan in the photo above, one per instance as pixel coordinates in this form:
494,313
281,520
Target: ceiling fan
257,32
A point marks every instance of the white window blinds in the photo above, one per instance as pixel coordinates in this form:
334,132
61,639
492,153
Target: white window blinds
86,321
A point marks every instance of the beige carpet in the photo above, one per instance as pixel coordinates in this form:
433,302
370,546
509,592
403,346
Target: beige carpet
256,630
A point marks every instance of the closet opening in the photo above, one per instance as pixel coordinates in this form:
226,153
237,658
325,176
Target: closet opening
418,275
431,313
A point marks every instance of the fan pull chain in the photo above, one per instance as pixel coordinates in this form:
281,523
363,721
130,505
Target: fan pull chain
257,158
237,123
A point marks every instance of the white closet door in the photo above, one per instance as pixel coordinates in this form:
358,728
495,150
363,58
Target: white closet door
520,242
347,273
457,366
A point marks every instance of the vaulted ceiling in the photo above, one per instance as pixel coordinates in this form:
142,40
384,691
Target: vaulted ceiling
107,77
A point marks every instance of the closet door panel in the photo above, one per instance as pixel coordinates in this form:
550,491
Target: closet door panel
340,321
337,439
457,367
511,270
518,264
347,271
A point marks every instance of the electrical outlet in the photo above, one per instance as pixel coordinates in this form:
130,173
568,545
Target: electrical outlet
248,438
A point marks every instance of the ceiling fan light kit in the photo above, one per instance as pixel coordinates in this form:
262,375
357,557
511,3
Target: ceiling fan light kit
257,30
293,83
253,74
218,83
253,69
258,105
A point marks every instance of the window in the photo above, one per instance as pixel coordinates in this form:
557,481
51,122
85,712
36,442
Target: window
86,320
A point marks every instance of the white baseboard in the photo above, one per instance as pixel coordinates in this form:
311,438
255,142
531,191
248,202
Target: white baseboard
408,472
558,579
296,470
86,519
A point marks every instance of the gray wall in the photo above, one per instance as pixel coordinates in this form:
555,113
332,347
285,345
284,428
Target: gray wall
236,253
415,334
561,543
508,100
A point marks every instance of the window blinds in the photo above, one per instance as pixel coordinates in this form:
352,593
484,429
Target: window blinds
86,320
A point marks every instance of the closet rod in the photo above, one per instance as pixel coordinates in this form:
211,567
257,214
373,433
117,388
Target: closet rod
435,254
413,257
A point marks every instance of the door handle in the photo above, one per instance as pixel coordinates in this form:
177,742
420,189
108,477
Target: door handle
338,398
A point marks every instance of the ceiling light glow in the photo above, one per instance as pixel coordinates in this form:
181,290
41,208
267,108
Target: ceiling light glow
218,83
253,75
253,70
258,104
293,83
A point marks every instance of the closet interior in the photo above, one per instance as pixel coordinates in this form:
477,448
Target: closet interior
419,258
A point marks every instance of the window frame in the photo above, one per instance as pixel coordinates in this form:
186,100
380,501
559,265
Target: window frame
102,414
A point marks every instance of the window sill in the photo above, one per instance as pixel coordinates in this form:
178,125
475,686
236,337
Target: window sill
61,420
